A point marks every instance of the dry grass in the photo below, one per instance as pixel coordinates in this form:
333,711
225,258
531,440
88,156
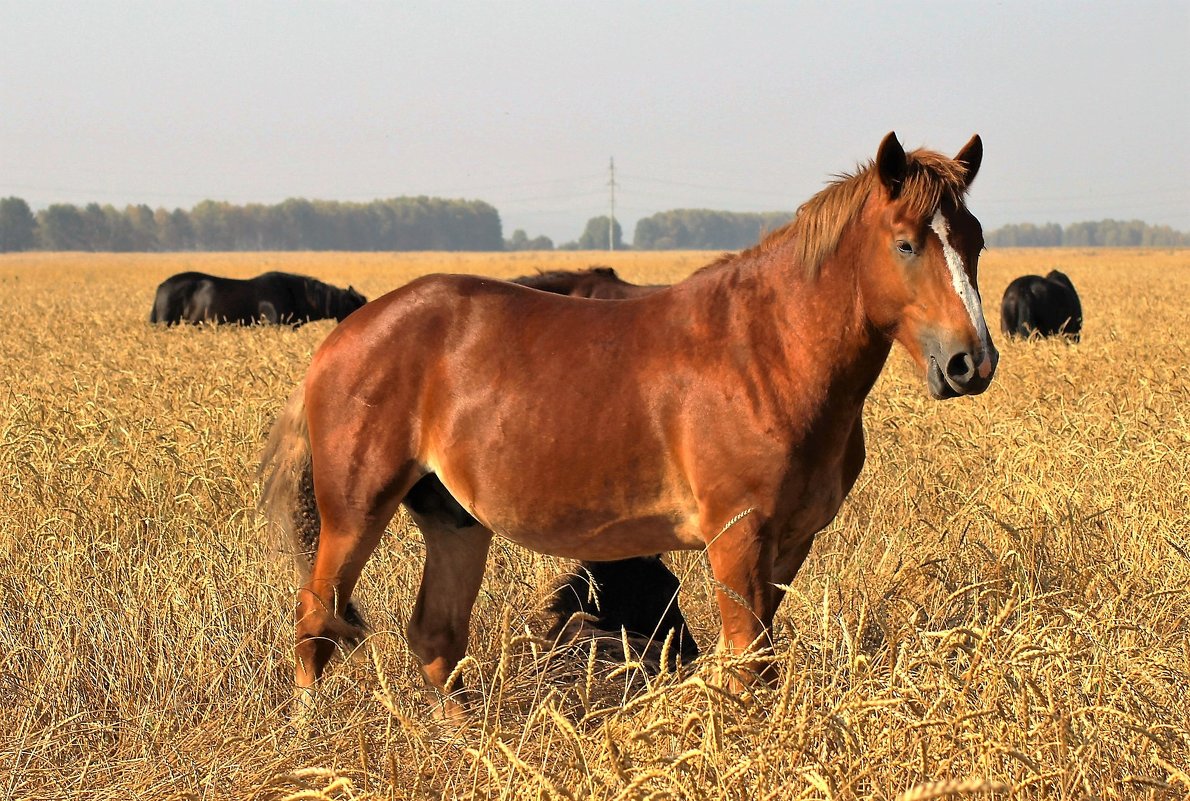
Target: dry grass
1000,610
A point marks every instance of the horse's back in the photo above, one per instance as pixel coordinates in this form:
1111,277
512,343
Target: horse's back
484,330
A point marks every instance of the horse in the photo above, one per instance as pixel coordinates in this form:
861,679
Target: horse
636,595
273,297
721,414
636,598
597,282
1041,307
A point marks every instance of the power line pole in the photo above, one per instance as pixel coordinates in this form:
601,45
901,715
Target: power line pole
611,220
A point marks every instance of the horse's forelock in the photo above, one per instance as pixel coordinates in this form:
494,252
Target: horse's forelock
931,180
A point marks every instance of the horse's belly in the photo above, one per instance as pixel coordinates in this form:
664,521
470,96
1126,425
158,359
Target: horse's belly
573,493
604,540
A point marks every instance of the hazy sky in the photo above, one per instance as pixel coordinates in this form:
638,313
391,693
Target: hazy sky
1084,107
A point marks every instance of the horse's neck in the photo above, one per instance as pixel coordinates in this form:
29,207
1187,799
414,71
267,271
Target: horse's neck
811,329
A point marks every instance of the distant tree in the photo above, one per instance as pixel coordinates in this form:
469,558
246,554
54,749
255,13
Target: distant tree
173,230
18,226
517,241
1104,233
62,227
1025,235
209,221
118,227
143,228
595,235
299,222
97,226
521,241
1165,237
705,229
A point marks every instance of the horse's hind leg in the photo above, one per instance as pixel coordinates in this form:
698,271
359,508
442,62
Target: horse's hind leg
438,627
323,599
350,531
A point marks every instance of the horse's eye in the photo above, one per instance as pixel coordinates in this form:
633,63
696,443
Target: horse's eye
904,247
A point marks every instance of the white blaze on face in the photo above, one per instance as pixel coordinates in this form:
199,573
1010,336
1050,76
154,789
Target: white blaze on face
962,287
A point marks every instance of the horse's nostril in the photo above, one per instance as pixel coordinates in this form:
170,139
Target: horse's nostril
961,367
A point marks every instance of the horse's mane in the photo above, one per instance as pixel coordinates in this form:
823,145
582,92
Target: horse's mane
321,295
313,285
818,225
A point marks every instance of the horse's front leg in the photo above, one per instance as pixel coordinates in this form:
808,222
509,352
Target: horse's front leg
741,556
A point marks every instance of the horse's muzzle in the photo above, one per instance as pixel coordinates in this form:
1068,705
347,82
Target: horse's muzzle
951,373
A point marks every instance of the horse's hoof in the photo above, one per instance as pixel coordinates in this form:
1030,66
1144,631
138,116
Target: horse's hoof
303,708
454,710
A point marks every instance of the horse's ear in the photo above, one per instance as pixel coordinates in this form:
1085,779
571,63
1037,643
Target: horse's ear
891,164
971,156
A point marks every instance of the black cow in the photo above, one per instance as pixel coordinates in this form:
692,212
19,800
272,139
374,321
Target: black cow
1036,306
270,298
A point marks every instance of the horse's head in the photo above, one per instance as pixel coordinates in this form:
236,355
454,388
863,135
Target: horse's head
347,301
920,282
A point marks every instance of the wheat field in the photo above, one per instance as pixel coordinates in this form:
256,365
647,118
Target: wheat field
999,611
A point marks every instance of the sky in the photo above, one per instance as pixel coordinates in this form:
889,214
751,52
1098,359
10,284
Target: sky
1083,107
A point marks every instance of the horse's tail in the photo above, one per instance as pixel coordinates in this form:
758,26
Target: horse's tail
287,490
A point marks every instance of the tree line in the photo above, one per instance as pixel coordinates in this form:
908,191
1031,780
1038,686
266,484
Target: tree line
425,223
402,223
703,229
1101,234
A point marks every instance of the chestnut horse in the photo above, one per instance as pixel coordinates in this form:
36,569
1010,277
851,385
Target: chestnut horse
601,283
638,596
721,414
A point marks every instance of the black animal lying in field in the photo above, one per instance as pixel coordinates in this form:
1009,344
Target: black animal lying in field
600,598
270,298
1036,306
